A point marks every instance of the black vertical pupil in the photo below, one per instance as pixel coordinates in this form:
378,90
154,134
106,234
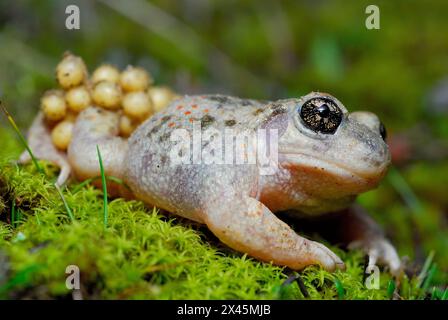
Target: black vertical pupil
323,110
383,131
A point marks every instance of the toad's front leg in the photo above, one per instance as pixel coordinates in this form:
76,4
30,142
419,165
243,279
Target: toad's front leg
247,225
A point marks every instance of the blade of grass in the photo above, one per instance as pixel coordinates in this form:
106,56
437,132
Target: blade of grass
109,178
431,273
21,137
116,180
165,266
37,218
103,181
422,276
434,293
13,213
339,288
445,295
405,191
18,216
391,289
67,208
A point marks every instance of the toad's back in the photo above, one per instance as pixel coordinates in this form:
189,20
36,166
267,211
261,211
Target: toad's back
216,111
151,144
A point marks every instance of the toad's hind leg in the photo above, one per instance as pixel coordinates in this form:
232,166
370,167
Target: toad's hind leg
246,225
40,143
97,127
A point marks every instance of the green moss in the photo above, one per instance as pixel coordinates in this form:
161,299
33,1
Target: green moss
141,254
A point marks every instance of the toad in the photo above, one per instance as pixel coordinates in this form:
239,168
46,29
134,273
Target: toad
325,157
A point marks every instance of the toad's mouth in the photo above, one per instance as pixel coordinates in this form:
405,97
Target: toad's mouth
368,175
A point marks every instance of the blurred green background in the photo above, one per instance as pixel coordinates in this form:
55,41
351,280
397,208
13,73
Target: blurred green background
271,50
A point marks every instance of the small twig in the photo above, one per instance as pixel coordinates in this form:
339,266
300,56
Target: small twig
298,279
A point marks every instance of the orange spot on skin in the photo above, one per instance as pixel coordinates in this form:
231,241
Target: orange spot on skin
205,110
171,124
195,106
191,119
179,107
187,112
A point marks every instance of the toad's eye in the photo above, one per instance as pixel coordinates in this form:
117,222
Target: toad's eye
321,115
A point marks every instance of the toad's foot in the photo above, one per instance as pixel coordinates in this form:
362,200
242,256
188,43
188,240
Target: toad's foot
381,251
249,226
360,231
96,127
40,143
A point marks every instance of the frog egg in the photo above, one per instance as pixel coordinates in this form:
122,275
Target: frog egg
61,135
78,98
107,95
137,105
160,96
53,105
71,71
127,125
135,79
106,72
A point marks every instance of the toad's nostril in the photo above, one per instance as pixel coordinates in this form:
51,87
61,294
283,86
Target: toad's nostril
383,131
